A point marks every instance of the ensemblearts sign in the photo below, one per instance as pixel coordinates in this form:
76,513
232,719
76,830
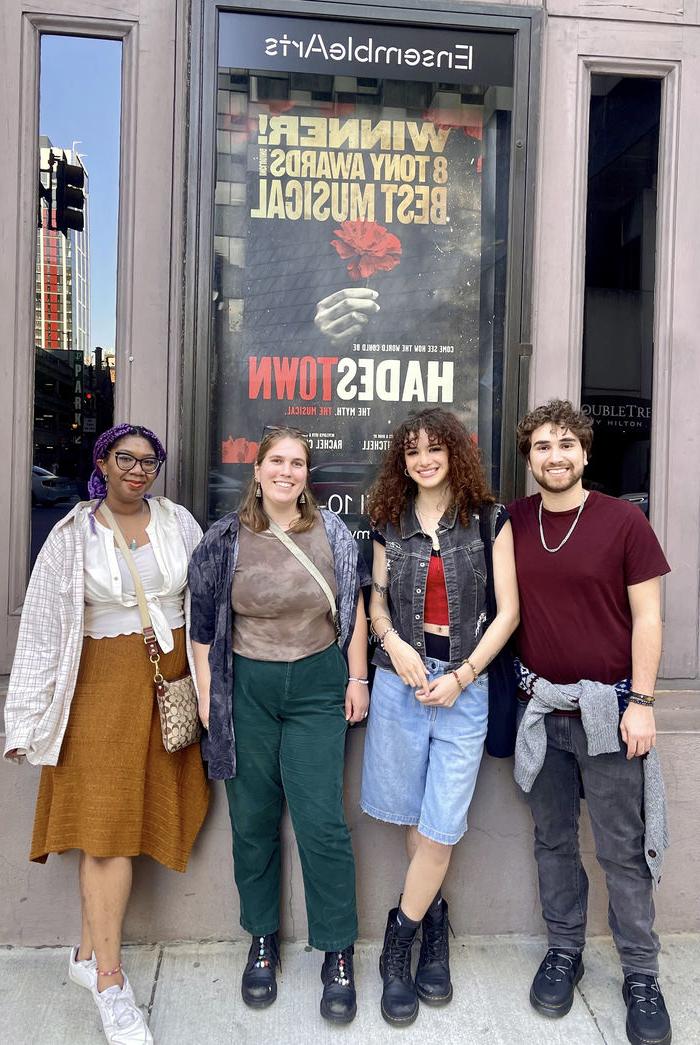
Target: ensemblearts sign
344,48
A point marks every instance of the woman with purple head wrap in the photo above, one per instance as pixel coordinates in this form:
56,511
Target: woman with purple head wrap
97,485
81,703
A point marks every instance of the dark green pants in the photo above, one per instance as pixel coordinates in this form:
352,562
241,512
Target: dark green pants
290,729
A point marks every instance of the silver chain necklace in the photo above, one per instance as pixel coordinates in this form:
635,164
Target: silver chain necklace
570,531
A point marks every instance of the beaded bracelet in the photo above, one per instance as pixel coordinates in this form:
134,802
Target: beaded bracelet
352,678
459,681
474,672
642,699
383,637
110,972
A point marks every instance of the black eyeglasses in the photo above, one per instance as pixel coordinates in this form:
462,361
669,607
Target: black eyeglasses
125,462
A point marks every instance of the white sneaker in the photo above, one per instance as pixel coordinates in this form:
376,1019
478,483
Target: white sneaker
122,1020
82,971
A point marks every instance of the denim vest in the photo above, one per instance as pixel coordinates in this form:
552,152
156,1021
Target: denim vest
408,557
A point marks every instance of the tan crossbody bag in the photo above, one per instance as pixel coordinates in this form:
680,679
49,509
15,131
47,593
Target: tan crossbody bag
177,701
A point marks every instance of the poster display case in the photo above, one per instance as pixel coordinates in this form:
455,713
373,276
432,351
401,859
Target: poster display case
360,240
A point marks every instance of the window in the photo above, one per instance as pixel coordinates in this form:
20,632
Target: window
75,302
618,345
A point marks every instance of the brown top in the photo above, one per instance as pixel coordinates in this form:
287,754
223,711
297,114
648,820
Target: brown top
279,610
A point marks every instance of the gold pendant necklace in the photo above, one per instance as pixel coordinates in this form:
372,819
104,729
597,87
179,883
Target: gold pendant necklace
426,531
422,521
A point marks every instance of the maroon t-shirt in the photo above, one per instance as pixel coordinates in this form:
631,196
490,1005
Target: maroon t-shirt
575,619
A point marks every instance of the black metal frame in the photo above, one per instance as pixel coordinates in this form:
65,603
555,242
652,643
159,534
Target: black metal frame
525,24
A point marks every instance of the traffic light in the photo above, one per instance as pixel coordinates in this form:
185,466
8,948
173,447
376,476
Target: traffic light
70,198
46,195
46,192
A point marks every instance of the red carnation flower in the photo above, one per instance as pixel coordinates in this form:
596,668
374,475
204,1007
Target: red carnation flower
238,451
370,246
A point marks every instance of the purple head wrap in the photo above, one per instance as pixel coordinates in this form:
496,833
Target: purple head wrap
97,487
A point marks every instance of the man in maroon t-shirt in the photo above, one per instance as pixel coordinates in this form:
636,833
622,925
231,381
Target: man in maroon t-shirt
589,569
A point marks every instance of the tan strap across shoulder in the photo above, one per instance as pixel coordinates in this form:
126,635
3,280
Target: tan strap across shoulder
177,700
305,561
146,622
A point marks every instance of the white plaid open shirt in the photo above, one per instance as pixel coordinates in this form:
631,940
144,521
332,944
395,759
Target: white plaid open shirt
50,639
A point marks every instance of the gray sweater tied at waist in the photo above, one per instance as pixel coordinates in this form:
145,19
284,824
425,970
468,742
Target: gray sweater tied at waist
600,718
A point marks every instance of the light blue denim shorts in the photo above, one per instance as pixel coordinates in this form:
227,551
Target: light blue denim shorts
421,763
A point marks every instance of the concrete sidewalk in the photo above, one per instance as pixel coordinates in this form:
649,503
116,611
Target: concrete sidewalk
192,995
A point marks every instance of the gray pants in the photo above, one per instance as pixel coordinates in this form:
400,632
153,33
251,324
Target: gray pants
613,789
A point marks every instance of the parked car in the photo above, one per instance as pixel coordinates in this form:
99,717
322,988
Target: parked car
225,491
48,488
640,499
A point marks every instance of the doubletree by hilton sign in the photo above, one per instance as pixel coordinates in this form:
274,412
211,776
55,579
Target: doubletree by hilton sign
348,48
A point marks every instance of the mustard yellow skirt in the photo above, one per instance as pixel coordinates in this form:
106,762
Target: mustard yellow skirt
116,791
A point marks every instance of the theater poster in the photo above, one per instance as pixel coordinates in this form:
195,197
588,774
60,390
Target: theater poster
360,239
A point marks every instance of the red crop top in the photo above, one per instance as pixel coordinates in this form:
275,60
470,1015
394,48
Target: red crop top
436,611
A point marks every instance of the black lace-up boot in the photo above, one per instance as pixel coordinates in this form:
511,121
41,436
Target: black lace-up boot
433,973
647,1019
259,983
552,991
339,1002
399,998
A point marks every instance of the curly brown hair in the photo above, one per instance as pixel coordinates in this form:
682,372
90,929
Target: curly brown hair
562,414
392,489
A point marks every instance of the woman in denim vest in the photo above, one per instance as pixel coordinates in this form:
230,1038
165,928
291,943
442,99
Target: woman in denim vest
429,709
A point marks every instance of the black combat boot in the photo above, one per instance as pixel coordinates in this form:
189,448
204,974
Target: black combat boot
339,1002
399,998
433,973
259,984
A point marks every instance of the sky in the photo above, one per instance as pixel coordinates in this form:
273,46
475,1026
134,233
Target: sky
79,101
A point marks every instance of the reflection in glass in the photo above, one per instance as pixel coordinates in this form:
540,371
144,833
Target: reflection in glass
75,295
618,340
359,255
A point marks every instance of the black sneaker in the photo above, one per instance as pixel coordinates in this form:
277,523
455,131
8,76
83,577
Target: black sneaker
433,983
259,983
399,999
648,1022
339,1001
552,991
